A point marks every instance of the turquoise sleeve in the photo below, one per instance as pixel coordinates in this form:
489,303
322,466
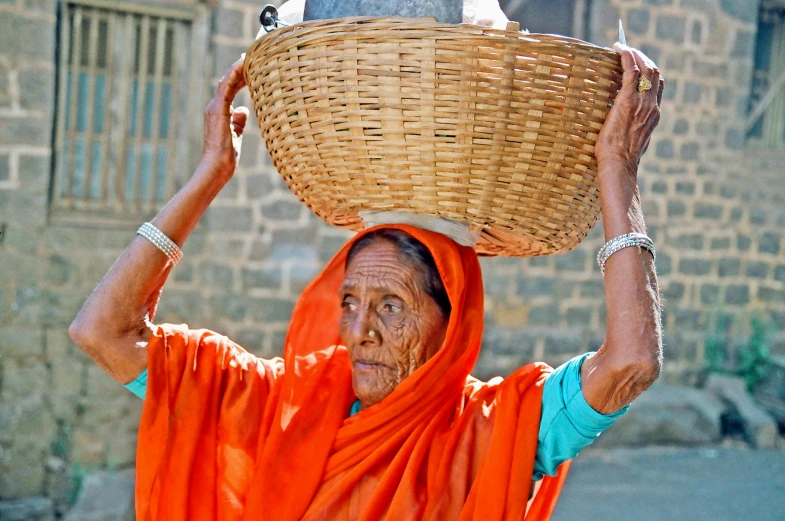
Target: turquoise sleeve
568,423
139,386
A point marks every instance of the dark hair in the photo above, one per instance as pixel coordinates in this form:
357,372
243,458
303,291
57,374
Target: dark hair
414,251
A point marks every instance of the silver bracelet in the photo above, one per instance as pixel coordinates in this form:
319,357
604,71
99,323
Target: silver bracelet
624,241
161,241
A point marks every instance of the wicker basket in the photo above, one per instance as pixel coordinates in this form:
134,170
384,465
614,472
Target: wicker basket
493,129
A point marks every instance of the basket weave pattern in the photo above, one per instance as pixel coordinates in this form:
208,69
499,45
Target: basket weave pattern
490,128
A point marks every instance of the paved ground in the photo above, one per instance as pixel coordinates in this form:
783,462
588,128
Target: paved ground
675,484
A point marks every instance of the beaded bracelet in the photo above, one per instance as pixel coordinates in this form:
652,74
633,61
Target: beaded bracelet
627,240
161,241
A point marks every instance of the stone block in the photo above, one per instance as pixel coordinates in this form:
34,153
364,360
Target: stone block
667,415
658,187
696,32
578,316
28,509
509,342
231,306
23,382
177,306
216,275
288,210
271,310
729,267
737,294
574,260
5,168
681,127
744,10
36,89
665,149
673,291
39,48
694,266
498,284
57,270
267,278
250,339
676,208
100,384
779,273
720,243
757,270
664,263
693,241
546,315
760,429
686,319
300,275
229,22
563,344
743,242
225,55
769,243
743,45
690,151
22,472
707,211
258,186
734,139
228,219
105,496
638,21
531,286
710,294
21,341
772,295
691,92
25,130
671,28
758,216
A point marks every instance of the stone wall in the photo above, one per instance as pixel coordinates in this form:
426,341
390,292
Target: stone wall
714,209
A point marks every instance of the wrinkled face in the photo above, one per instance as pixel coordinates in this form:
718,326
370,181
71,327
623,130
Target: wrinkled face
382,292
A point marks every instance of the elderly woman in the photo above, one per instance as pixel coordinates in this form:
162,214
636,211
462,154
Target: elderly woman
371,413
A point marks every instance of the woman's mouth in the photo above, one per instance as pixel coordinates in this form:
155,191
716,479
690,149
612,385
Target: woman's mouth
367,365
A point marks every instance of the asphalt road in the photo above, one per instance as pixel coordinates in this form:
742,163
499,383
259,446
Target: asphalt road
675,484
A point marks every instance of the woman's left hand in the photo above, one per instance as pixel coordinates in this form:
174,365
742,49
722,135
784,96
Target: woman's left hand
626,134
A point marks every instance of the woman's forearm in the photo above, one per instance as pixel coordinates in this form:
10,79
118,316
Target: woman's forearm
629,359
112,325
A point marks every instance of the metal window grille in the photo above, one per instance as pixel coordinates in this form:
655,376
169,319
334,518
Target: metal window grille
128,84
765,124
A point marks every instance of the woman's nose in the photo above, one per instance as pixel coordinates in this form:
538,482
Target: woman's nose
364,328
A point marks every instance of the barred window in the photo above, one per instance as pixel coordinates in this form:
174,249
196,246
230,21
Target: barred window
766,118
129,83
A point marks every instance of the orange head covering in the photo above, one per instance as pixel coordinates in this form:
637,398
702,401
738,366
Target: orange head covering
251,439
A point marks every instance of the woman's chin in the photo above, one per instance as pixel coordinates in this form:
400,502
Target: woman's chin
366,384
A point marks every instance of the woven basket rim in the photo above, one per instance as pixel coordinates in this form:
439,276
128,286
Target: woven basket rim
308,33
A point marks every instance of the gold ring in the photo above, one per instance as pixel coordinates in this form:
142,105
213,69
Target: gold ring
371,333
644,84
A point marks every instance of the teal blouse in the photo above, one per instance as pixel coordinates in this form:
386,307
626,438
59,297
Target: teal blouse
567,423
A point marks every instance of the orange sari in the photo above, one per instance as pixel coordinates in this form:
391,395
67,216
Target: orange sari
225,435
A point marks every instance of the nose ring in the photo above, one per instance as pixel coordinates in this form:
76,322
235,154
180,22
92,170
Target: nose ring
371,333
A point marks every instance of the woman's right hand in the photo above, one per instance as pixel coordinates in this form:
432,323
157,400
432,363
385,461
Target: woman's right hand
224,125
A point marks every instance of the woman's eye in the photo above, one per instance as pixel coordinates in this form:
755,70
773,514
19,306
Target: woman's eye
348,306
392,308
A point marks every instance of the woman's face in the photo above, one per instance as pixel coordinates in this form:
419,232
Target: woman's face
382,292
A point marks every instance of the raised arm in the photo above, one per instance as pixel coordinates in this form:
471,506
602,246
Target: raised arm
113,326
631,357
